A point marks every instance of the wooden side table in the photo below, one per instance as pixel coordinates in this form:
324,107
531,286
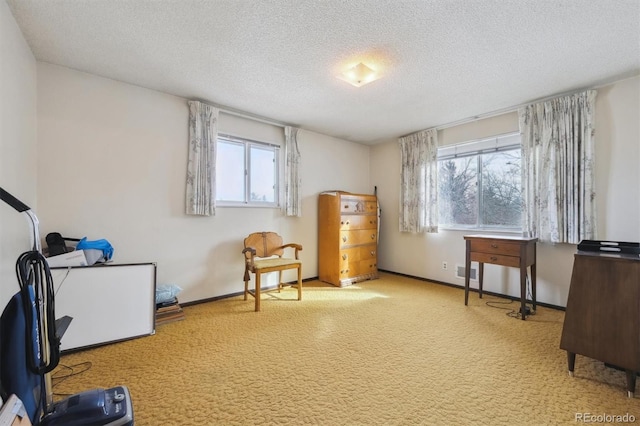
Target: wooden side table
517,252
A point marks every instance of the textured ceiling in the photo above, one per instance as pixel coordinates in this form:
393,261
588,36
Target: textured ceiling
441,60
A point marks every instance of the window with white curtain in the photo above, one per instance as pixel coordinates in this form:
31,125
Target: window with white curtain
419,182
558,140
479,184
246,172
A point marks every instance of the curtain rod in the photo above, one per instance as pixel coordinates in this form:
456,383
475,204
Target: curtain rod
238,113
503,110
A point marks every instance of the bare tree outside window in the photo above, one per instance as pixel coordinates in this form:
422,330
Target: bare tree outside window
481,190
501,202
458,191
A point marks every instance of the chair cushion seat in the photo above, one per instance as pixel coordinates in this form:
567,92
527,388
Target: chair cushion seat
276,262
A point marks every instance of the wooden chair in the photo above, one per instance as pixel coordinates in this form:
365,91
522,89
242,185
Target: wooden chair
263,253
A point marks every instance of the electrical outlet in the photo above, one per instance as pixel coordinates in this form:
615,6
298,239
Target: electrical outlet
444,265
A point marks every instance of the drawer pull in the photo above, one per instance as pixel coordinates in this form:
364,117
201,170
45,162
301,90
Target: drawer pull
494,245
344,257
373,253
373,236
493,258
344,239
346,206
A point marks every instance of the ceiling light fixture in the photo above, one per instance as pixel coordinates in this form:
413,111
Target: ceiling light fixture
359,75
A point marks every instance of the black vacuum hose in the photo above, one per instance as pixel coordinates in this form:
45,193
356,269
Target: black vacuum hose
33,271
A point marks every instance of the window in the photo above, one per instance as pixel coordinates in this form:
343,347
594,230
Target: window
479,184
246,172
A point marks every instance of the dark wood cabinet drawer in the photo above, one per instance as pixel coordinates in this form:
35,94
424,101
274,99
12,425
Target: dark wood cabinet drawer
498,247
496,259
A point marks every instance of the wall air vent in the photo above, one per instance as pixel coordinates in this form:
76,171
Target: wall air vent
473,274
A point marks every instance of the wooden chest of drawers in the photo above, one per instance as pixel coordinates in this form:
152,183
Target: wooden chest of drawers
347,237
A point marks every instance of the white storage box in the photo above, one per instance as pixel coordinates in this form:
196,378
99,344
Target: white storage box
73,258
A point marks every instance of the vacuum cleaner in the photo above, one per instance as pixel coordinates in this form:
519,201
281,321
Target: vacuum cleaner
30,348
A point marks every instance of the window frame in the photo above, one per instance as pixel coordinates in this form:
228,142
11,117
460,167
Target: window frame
247,145
478,148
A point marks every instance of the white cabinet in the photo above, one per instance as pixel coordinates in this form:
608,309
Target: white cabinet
108,303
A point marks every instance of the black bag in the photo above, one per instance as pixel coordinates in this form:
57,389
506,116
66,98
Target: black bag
56,243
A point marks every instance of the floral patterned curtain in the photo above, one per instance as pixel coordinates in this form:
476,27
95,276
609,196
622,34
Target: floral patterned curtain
558,168
419,182
201,176
293,202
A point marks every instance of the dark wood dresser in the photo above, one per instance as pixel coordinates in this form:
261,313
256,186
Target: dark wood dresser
602,320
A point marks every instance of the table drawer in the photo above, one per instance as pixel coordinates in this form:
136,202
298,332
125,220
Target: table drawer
496,259
498,247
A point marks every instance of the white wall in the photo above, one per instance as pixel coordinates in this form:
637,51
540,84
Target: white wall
107,160
618,160
17,146
112,164
618,203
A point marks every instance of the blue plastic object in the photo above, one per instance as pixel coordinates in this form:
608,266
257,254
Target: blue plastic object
104,245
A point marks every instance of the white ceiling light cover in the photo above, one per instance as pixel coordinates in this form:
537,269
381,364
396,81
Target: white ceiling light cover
359,75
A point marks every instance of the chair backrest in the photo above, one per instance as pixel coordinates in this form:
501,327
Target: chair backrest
266,244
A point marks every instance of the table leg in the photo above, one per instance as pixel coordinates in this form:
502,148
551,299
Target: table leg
533,285
571,362
480,277
631,383
523,291
467,274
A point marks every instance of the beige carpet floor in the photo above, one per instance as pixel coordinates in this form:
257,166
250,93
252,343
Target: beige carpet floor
392,351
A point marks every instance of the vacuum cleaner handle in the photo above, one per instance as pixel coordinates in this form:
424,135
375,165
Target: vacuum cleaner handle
13,201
